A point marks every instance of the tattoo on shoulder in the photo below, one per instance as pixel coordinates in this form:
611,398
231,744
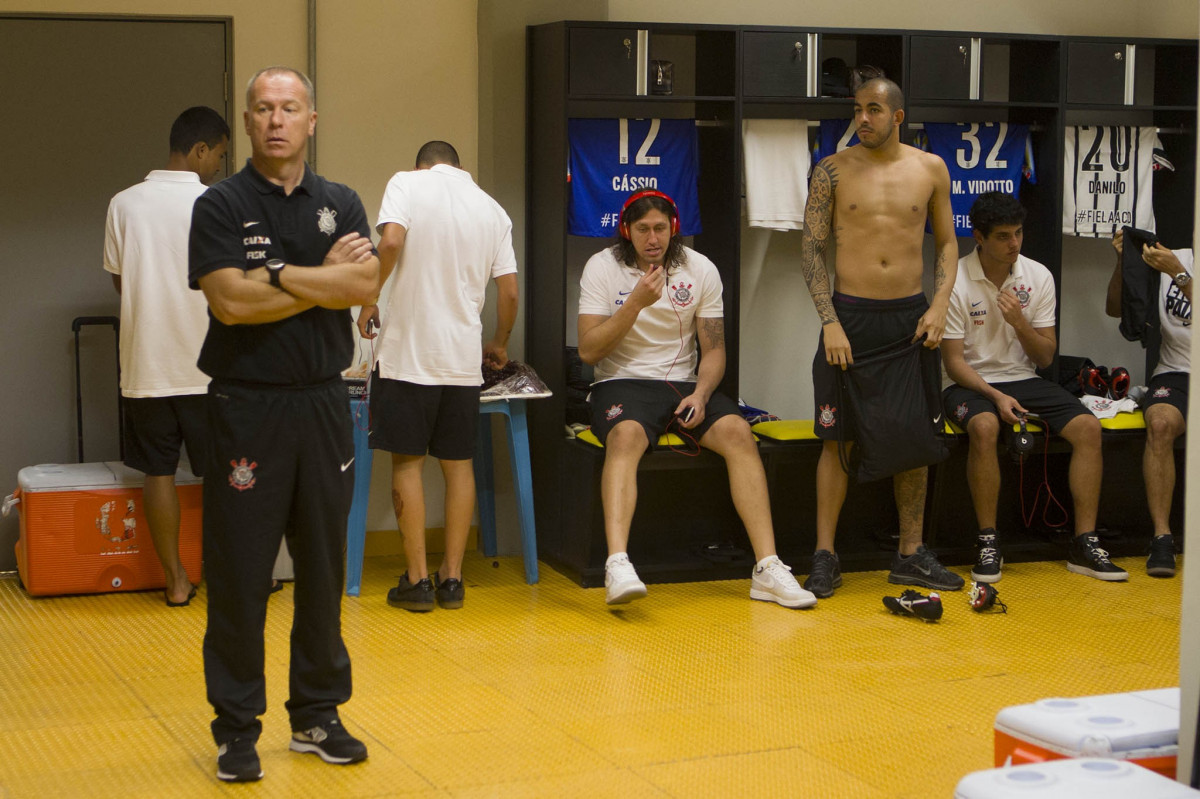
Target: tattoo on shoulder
713,331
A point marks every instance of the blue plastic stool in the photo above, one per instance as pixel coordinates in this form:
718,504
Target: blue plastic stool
356,522
485,484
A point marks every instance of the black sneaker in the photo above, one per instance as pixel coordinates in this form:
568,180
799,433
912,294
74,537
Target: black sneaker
330,742
237,761
914,603
987,559
417,598
449,593
1086,557
922,568
826,574
1161,562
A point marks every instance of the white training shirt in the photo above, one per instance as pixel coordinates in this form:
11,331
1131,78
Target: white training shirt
990,344
163,322
665,333
458,238
1175,316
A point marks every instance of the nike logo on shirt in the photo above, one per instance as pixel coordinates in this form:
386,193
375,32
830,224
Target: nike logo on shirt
623,293
975,304
347,464
248,224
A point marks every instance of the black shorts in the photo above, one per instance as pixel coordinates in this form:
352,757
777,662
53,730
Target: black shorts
156,428
1168,387
414,419
1054,404
869,324
651,403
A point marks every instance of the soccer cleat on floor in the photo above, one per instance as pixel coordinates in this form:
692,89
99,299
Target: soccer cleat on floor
772,581
1085,556
825,574
1161,562
237,761
416,597
914,603
987,558
922,568
621,583
330,742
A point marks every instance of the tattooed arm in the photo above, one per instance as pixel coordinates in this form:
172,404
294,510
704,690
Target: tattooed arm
945,267
711,331
814,242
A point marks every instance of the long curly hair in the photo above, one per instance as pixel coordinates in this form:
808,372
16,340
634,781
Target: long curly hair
623,249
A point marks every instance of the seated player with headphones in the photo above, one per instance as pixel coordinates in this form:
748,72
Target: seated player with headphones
642,302
999,329
1165,405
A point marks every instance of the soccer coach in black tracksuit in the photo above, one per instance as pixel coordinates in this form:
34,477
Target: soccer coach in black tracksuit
281,255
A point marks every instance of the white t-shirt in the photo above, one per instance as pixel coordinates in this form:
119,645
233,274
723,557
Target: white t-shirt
1175,316
458,238
990,344
163,322
655,341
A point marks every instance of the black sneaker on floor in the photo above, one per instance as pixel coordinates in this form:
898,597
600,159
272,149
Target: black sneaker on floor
826,574
237,761
449,593
1161,562
914,603
987,557
922,568
1086,557
330,742
417,598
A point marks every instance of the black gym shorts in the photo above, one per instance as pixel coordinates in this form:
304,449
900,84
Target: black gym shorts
414,419
869,325
1168,387
156,428
1054,404
652,404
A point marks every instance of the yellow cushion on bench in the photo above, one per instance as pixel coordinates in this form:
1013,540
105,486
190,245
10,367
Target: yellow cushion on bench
1125,421
786,430
667,440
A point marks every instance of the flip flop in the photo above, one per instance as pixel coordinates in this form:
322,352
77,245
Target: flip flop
185,602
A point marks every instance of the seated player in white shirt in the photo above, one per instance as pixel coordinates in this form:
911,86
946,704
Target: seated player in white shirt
999,330
642,303
1166,402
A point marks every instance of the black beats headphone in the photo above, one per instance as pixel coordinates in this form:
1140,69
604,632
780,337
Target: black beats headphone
638,195
1021,443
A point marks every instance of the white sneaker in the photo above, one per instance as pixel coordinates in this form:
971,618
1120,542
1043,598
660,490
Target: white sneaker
773,582
621,583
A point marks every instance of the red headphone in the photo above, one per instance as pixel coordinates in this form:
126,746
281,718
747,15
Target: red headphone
638,195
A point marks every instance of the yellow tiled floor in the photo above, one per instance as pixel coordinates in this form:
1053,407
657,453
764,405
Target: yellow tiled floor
544,691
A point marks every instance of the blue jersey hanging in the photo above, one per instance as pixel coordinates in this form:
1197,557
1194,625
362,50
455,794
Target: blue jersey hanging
612,158
836,135
981,157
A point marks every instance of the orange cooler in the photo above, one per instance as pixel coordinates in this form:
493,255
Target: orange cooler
1083,778
84,530
1141,727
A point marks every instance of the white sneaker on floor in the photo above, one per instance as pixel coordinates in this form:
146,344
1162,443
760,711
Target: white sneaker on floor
621,583
772,581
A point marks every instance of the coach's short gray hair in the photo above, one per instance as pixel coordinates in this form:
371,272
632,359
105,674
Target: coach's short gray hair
308,86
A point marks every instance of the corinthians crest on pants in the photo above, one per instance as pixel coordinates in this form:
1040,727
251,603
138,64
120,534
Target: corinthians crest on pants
827,417
242,477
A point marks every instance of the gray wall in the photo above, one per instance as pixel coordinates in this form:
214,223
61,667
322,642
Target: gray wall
88,109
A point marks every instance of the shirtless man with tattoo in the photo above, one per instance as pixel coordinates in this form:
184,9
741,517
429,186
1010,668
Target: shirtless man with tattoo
873,199
643,304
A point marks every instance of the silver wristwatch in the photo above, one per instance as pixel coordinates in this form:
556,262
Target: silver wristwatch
1182,279
274,267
